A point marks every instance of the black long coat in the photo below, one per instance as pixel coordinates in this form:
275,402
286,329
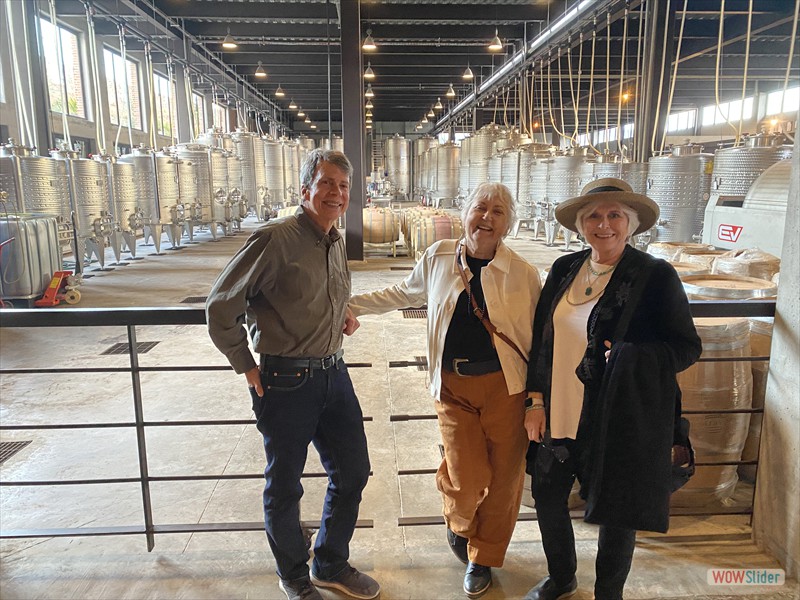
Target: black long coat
632,402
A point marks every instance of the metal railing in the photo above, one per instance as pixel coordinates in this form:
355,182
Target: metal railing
130,318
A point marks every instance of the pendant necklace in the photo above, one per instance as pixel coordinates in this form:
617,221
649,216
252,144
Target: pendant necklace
597,275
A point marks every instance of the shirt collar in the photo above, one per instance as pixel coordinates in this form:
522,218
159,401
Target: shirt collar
305,221
501,260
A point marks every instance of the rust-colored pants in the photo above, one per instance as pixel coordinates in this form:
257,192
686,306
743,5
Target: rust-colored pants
482,474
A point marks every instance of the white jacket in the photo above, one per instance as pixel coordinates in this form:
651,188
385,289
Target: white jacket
511,288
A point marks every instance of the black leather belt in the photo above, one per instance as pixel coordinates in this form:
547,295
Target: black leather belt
282,362
465,367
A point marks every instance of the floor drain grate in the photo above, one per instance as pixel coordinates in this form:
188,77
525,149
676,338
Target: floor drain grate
125,348
9,449
415,313
195,300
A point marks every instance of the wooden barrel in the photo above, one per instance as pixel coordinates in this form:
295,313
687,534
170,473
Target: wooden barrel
671,250
727,287
760,343
715,386
381,226
751,262
685,269
432,229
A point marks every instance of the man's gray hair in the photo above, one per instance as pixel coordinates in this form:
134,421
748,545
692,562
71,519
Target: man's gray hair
318,156
496,191
633,216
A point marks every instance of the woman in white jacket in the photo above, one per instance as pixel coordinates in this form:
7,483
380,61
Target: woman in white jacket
477,377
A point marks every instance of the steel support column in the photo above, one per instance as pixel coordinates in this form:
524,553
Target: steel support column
653,92
353,123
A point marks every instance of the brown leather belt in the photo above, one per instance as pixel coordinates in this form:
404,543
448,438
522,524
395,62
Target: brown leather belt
466,367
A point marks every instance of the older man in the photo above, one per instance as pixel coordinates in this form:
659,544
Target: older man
290,283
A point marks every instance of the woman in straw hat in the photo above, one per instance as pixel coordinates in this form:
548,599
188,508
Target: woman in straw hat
477,374
612,329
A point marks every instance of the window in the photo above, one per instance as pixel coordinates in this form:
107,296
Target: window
777,103
627,131
606,135
166,120
123,90
220,116
69,66
728,111
198,112
583,139
681,121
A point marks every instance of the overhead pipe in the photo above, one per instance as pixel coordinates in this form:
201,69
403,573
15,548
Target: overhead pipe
525,56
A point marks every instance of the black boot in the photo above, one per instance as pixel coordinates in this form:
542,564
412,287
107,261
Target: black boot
477,580
547,589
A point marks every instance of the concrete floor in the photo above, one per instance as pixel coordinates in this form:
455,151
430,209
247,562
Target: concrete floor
409,562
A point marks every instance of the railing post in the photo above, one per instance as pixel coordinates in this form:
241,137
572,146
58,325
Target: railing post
140,438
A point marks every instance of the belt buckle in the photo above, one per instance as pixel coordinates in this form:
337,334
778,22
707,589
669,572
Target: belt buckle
328,361
458,361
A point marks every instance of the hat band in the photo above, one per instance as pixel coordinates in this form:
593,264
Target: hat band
604,188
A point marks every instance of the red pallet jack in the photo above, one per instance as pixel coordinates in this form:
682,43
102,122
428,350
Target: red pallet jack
61,288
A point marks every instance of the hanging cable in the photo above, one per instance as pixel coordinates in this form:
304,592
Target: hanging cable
571,89
674,78
541,99
792,39
744,75
561,94
608,70
578,90
187,89
148,61
100,133
550,97
717,65
124,53
622,78
173,133
62,75
591,90
23,114
657,114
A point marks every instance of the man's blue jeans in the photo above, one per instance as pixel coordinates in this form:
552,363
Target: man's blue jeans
298,408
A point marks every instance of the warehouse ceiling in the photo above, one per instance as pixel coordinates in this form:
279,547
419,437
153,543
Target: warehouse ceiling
424,47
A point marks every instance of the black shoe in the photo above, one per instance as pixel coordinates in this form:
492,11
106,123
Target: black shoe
458,545
477,580
547,589
299,589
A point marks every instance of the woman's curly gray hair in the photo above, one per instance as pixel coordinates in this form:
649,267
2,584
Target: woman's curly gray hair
498,192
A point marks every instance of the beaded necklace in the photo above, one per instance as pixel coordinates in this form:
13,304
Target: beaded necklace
590,284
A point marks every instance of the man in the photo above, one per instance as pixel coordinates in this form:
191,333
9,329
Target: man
291,283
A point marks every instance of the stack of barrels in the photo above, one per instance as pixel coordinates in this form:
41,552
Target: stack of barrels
716,390
423,226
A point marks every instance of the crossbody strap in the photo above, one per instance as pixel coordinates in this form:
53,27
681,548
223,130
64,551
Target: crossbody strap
482,316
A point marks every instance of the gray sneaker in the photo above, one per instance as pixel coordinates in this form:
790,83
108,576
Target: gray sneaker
299,589
352,582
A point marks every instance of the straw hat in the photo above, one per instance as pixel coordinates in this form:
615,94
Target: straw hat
609,189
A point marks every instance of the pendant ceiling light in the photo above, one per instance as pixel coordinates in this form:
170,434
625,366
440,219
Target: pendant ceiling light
369,126
425,119
419,126
369,93
300,112
308,120
369,43
438,105
229,42
260,72
450,93
292,105
468,74
370,104
369,113
368,120
495,45
368,72
431,114
312,126
279,92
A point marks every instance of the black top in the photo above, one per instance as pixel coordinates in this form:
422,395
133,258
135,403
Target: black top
466,335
